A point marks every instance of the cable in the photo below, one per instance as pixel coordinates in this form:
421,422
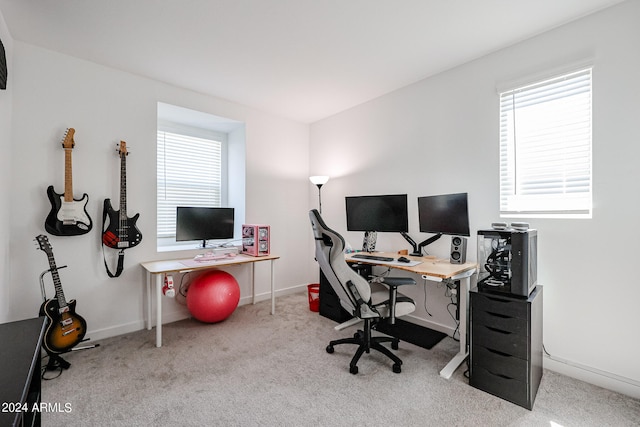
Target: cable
425,298
46,368
448,293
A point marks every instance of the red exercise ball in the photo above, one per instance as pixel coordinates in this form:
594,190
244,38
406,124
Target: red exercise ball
213,296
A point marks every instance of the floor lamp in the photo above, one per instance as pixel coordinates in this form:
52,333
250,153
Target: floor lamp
319,181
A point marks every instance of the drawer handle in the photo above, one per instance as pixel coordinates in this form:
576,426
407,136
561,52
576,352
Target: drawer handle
506,377
499,353
500,315
500,331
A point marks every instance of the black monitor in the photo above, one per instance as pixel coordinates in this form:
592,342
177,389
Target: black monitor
372,214
444,214
203,223
386,213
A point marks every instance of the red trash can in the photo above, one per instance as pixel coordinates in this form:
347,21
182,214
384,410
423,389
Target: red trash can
314,296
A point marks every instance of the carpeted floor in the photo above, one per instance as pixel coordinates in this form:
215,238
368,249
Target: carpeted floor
255,369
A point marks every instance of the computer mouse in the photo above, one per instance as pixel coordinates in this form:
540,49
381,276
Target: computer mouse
403,259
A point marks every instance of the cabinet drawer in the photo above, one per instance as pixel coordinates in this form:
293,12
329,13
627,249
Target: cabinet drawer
501,305
510,389
499,363
515,325
513,344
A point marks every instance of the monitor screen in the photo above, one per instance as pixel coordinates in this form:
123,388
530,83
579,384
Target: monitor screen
387,213
202,223
446,214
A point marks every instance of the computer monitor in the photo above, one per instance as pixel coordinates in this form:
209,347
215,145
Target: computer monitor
373,214
444,214
387,213
204,223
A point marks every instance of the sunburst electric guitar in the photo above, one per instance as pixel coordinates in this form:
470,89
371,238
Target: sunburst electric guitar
121,232
68,216
65,328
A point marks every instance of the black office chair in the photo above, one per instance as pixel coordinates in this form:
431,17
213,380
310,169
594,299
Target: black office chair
370,302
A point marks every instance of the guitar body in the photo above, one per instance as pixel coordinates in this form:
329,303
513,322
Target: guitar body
64,330
120,234
67,218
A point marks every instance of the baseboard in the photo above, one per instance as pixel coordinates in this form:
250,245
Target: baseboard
264,296
593,376
99,334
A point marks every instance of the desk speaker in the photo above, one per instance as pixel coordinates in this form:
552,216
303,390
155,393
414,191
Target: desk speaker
458,253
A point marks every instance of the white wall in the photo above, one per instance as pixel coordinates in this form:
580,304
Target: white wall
52,92
440,135
5,174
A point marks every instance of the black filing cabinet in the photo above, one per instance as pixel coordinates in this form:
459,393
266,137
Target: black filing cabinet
505,356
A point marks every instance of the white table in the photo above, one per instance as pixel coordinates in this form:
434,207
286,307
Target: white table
157,269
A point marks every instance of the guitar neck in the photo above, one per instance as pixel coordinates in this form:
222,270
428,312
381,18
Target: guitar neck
68,182
123,187
57,284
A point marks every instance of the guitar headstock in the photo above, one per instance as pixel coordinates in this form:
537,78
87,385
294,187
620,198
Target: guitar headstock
67,141
122,149
43,242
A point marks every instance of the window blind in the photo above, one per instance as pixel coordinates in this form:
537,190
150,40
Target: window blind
189,173
545,147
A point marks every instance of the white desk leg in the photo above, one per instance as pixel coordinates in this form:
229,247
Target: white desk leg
149,279
273,293
253,283
158,310
457,360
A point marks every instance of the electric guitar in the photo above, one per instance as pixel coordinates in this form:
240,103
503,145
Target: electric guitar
122,232
68,216
65,328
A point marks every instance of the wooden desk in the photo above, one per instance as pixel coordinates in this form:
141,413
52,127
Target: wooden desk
157,269
436,270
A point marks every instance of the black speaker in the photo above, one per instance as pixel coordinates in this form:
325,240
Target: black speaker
458,253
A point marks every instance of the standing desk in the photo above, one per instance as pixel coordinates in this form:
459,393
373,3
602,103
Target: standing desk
436,270
157,269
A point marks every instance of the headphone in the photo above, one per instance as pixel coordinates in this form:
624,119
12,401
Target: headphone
168,289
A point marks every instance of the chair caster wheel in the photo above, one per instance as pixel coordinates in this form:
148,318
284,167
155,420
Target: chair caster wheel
353,369
329,349
396,368
394,344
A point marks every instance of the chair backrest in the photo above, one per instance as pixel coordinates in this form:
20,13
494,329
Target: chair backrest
330,256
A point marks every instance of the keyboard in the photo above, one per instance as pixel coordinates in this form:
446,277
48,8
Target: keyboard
372,257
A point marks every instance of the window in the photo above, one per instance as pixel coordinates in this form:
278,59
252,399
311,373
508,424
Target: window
190,172
201,161
545,148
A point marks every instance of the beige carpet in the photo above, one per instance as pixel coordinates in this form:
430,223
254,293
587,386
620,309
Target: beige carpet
255,369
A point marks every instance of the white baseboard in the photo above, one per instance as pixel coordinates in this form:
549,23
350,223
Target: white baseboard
593,376
99,334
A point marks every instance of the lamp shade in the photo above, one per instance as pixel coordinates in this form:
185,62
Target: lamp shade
319,179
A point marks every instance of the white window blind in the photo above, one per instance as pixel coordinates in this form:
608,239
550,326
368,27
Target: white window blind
545,147
189,174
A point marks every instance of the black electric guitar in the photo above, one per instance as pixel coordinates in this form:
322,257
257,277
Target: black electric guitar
121,233
65,328
68,216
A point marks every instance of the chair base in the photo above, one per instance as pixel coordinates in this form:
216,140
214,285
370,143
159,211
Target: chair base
365,343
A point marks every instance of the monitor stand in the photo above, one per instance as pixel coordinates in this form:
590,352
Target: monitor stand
417,247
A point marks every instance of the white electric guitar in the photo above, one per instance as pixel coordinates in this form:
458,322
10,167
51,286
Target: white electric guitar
68,216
